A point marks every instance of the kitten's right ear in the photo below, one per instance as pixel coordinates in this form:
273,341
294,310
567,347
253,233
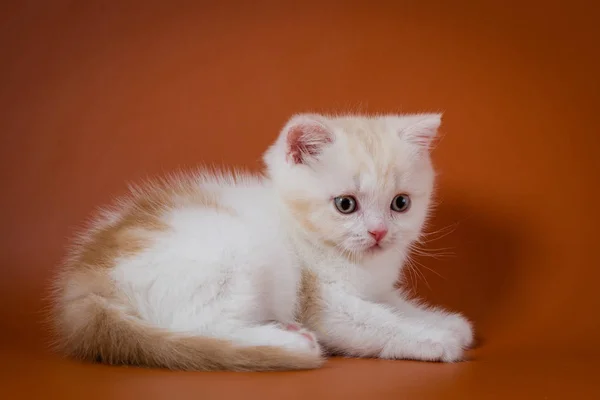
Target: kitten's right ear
420,129
305,138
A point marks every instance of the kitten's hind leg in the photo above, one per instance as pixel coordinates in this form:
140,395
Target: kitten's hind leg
289,336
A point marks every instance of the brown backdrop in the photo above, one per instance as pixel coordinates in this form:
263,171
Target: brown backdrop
94,94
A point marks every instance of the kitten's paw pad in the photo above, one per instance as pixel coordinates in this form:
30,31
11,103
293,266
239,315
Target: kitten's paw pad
310,337
291,327
300,330
462,329
306,341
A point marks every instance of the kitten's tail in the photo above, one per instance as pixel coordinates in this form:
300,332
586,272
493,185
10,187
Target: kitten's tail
99,332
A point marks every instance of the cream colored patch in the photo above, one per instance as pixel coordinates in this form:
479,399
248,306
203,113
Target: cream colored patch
132,232
302,209
370,153
189,194
309,301
126,237
99,332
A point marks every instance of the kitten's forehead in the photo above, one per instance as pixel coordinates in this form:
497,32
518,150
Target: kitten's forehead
375,155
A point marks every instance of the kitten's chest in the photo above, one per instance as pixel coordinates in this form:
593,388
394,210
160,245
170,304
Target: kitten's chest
370,283
368,280
379,274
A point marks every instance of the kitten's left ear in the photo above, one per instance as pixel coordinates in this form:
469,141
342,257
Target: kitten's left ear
420,129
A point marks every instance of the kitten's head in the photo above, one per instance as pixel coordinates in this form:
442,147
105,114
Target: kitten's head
360,184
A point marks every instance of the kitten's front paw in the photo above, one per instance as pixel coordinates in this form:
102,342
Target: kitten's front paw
441,345
461,327
432,344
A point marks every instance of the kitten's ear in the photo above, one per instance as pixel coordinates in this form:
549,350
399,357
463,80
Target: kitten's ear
305,138
421,129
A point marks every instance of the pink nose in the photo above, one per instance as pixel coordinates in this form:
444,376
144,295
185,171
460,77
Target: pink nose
378,234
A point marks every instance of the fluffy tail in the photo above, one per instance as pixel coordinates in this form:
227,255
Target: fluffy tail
92,330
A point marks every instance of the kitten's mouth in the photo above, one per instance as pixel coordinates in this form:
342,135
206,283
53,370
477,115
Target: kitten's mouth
374,248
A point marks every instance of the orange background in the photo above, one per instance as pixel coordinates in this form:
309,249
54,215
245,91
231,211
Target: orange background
97,94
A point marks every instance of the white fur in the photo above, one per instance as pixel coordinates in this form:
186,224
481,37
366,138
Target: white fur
236,276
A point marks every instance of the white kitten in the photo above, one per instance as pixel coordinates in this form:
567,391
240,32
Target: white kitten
215,272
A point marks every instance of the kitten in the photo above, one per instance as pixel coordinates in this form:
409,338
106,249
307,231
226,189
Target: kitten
243,272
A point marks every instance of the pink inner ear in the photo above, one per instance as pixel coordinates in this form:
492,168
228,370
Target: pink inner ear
306,140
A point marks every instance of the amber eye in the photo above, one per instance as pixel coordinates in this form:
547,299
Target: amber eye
345,204
401,203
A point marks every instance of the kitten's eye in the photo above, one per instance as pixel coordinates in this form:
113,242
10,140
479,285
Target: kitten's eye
401,203
345,204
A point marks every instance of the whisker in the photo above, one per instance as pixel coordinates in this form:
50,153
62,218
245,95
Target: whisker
418,272
434,253
418,246
411,272
429,269
428,237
